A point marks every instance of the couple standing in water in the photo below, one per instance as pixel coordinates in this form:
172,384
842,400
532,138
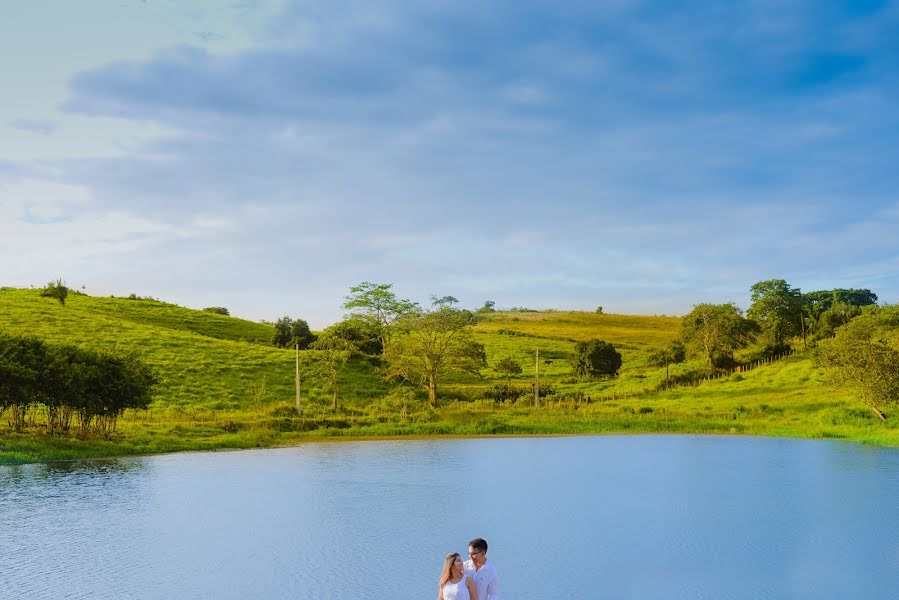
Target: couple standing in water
475,579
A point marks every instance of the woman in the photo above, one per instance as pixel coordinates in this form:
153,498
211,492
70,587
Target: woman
454,584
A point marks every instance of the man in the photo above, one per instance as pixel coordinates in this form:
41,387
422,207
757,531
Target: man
481,572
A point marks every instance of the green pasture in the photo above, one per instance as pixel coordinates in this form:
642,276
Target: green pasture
222,386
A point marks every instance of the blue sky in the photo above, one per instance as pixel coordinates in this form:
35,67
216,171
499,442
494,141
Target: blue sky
267,155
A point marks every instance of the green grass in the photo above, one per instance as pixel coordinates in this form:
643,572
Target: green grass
208,365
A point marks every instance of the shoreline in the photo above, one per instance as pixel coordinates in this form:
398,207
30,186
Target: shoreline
35,456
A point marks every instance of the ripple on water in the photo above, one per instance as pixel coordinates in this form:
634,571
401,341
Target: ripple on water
644,517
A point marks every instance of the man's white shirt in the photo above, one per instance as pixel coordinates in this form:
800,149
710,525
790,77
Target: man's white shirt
486,580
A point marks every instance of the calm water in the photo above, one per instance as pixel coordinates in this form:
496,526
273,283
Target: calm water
567,518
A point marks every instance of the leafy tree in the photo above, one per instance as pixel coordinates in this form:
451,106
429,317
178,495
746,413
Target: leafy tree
108,385
217,310
507,366
820,301
777,308
57,290
865,357
717,331
839,313
289,332
431,345
21,364
488,307
363,333
595,358
331,354
379,304
672,354
67,379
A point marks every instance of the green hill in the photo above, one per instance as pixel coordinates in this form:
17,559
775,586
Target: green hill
205,361
222,385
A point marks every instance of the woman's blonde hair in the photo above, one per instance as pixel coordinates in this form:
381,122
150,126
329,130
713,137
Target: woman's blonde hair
448,567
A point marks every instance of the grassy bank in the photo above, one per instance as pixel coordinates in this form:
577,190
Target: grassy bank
211,368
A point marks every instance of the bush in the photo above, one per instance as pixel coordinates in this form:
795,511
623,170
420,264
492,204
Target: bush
769,351
506,392
217,310
724,362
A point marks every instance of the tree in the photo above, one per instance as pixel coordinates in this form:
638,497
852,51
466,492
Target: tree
717,331
431,344
507,366
822,300
379,304
595,358
363,333
68,379
839,313
289,332
217,310
57,290
672,354
777,308
488,307
865,357
331,355
21,364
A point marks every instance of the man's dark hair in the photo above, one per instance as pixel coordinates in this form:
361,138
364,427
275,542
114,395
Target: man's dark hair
479,544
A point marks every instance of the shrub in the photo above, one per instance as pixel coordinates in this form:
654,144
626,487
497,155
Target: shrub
506,392
217,310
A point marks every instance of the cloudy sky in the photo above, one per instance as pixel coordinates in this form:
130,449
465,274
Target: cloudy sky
265,155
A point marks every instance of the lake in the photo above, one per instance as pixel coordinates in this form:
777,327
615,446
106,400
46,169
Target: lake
566,518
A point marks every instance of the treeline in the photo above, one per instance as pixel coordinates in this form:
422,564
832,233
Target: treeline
69,382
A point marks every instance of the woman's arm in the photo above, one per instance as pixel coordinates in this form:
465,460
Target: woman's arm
440,593
472,588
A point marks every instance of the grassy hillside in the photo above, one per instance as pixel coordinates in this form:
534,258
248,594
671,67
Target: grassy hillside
213,367
205,361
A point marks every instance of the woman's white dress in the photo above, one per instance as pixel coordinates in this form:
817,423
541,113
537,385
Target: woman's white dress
456,591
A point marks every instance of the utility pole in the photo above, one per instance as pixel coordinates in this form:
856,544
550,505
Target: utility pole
299,406
537,378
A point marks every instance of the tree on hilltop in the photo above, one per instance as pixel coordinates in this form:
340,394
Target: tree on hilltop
56,290
289,333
